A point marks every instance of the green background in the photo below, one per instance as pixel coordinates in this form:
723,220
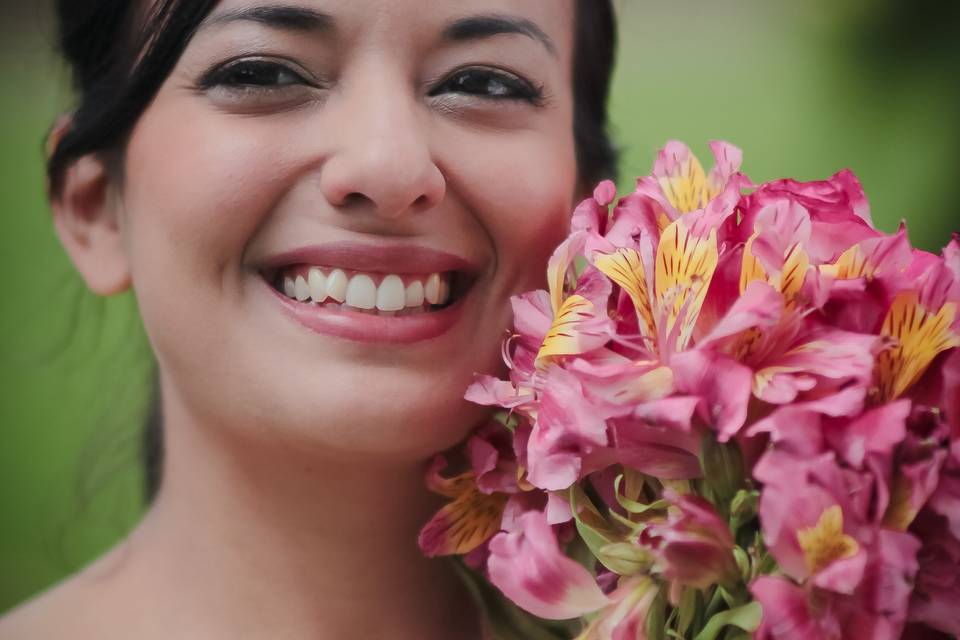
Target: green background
805,88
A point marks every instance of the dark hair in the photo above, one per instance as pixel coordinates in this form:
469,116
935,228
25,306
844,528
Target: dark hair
120,59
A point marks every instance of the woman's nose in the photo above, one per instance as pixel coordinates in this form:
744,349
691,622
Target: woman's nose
382,161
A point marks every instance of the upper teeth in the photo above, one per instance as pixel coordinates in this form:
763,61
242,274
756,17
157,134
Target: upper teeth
361,291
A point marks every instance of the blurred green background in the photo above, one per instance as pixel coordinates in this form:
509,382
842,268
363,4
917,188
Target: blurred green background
805,88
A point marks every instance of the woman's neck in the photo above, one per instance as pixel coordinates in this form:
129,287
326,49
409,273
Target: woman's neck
268,540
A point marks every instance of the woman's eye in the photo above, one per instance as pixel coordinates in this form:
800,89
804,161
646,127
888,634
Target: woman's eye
253,74
490,84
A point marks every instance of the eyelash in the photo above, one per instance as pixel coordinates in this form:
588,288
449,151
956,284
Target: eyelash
511,87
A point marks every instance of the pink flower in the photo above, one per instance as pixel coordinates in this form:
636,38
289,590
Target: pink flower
467,522
787,613
838,209
626,615
934,601
854,576
679,184
877,610
694,547
807,520
921,323
490,450
528,566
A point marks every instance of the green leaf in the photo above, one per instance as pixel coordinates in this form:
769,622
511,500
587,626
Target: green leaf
656,617
743,563
625,558
632,506
594,530
687,610
746,617
722,466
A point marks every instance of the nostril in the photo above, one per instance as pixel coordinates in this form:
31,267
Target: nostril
355,199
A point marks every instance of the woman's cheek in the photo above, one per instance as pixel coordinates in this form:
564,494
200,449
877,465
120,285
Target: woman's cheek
204,179
528,182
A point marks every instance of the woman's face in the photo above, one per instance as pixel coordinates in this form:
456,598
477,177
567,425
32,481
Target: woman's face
361,146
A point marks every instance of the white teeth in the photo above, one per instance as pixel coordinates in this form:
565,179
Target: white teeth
391,294
301,289
337,285
361,292
318,285
431,289
414,294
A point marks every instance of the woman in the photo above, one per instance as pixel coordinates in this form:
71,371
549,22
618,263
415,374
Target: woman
323,208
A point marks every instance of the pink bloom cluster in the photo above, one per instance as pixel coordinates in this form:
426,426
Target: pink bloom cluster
735,409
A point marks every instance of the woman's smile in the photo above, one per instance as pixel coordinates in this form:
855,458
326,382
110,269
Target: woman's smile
365,292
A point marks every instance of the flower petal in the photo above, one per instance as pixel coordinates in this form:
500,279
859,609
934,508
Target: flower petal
685,265
626,269
681,178
919,334
528,566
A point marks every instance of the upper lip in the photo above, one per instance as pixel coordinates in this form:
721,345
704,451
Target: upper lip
396,258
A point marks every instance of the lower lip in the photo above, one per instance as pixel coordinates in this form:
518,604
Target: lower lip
364,327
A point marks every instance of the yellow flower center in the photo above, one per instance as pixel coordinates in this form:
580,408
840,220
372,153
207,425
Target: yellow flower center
825,542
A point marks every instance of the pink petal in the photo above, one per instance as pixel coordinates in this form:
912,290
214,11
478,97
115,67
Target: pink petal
529,568
727,162
951,392
532,315
568,425
876,431
489,391
724,399
786,614
663,452
490,451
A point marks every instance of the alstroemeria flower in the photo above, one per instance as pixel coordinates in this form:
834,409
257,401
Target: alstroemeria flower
694,547
494,462
807,520
838,209
626,615
570,424
528,566
934,601
469,520
875,610
792,354
667,288
709,366
921,324
679,185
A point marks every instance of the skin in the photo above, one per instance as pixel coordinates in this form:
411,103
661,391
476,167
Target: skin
293,483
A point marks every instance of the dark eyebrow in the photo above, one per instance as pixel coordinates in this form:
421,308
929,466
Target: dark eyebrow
484,26
291,18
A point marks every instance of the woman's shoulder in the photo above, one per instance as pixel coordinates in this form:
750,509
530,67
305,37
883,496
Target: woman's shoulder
61,612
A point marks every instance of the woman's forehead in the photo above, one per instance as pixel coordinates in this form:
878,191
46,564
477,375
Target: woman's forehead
548,23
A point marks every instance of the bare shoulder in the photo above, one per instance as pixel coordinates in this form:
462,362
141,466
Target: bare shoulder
61,612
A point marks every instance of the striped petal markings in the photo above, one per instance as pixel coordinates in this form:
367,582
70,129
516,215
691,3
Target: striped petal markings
685,183
625,267
918,335
790,278
684,268
564,338
472,518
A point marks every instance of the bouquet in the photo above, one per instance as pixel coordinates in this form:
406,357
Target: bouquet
735,413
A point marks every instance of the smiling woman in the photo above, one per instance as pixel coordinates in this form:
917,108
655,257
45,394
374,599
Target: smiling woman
323,209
